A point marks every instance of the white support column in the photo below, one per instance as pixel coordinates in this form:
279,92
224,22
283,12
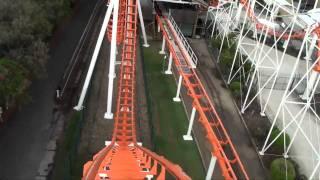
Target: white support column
113,51
94,57
163,46
177,98
238,14
211,167
310,85
285,44
142,25
188,136
253,3
311,48
168,71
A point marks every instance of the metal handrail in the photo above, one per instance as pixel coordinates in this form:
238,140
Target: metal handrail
185,42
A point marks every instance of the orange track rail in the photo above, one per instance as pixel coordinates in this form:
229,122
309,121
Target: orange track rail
124,158
121,20
222,147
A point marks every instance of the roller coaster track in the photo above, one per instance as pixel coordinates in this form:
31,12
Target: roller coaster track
221,145
123,157
315,28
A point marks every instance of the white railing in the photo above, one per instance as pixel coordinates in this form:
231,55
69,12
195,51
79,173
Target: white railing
185,42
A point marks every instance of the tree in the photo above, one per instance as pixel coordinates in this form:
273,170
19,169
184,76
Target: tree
13,81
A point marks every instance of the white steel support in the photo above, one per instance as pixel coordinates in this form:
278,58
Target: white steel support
102,33
113,54
168,71
142,25
238,15
188,136
163,46
177,98
269,76
310,85
211,167
311,48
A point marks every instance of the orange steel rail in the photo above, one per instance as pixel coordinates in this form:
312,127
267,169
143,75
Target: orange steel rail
121,20
124,158
222,147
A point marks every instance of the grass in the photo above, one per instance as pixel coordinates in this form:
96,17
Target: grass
66,159
169,119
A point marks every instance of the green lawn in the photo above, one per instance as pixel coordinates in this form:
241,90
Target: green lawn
169,118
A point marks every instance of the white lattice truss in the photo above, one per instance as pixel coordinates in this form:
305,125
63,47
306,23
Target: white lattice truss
263,41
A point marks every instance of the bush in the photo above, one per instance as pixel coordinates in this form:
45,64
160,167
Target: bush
235,87
226,58
279,143
12,82
280,171
216,42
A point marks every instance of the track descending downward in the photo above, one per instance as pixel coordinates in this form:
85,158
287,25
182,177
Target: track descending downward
124,158
221,145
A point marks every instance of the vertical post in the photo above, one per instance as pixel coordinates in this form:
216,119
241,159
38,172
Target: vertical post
211,167
195,25
285,44
311,48
113,51
253,3
238,14
177,98
188,136
142,25
310,85
149,176
94,57
168,71
163,46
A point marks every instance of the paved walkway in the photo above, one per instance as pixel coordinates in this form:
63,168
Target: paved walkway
227,110
23,139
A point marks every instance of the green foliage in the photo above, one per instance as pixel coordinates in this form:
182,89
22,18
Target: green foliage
216,42
13,81
279,143
167,139
281,171
227,58
235,87
25,28
72,132
66,157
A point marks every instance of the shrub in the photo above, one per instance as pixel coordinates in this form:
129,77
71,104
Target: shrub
235,87
216,42
226,58
13,81
279,143
282,169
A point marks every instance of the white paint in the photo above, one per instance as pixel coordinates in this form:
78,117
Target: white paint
102,33
211,167
113,54
168,71
188,136
177,98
